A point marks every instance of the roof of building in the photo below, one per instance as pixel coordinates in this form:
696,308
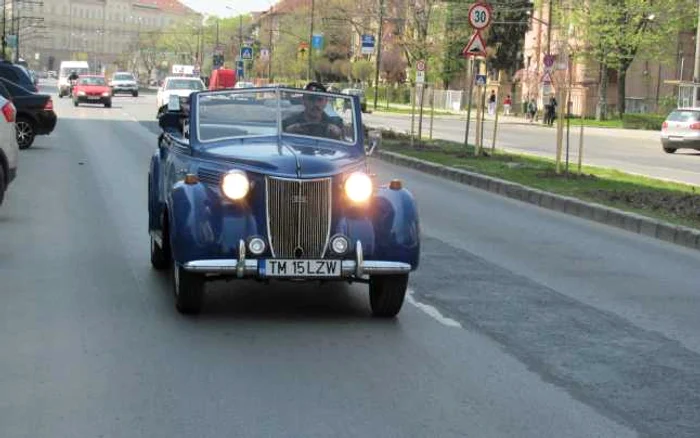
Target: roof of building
168,6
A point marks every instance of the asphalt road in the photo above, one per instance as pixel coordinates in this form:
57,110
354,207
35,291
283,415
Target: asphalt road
628,150
521,322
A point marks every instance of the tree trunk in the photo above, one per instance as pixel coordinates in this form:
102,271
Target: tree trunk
621,92
601,111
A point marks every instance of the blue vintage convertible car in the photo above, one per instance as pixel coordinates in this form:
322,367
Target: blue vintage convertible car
273,184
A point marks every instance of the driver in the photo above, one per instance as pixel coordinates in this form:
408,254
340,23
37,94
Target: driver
313,120
73,76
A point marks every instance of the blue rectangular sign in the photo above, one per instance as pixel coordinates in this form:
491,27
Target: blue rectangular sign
368,42
247,53
317,42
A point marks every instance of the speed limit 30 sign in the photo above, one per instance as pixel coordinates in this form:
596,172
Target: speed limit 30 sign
480,15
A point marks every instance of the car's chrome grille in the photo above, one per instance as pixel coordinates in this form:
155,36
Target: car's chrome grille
209,176
298,218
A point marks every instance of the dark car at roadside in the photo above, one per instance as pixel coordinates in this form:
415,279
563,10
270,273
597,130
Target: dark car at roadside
35,113
17,74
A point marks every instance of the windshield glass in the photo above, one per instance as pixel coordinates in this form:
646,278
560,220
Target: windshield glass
684,116
66,71
262,112
184,84
91,80
123,77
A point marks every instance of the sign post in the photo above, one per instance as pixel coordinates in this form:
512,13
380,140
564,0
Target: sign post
420,87
480,17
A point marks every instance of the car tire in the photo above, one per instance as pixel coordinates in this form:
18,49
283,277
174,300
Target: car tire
189,291
60,95
386,294
75,102
135,94
160,255
25,132
669,150
108,104
2,183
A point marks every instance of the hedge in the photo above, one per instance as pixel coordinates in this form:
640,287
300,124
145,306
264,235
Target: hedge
643,121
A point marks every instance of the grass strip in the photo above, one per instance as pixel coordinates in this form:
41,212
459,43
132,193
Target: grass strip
673,202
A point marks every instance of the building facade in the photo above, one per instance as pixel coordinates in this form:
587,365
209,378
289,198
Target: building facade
99,31
650,83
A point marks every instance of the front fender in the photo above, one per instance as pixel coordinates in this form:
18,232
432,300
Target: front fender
396,226
202,225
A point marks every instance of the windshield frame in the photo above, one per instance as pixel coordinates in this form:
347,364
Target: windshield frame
195,120
129,77
81,80
198,81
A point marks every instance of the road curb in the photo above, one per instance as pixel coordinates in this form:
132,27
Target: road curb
636,223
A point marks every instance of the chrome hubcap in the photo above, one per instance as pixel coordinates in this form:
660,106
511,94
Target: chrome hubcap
24,132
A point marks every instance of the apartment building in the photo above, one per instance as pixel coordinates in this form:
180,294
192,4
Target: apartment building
649,82
99,31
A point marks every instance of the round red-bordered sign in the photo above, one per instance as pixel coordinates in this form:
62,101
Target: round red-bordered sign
480,15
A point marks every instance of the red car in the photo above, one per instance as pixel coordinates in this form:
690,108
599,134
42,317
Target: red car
92,89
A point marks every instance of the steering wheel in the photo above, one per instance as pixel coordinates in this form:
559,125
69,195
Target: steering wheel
317,129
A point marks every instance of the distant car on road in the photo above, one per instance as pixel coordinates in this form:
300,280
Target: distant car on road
35,114
360,94
9,150
92,89
124,82
181,86
681,130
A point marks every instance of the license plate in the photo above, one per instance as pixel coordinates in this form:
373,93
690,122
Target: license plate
93,97
675,138
302,268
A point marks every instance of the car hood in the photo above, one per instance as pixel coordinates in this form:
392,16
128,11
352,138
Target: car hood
286,159
123,82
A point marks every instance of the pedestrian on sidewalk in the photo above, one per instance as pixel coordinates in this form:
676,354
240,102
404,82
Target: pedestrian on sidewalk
532,110
507,102
552,110
492,103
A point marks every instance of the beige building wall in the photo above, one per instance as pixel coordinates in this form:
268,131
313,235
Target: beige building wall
646,81
95,30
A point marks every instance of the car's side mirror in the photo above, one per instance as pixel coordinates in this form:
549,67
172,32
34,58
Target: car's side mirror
374,141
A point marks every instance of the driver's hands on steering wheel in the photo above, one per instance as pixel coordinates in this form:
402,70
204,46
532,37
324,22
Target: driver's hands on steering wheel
317,129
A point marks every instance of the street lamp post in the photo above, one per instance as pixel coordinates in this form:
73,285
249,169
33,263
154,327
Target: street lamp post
311,41
379,52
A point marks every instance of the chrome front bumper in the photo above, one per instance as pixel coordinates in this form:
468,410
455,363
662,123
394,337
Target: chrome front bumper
249,268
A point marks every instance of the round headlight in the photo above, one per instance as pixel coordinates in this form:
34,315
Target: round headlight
235,185
256,246
340,244
358,187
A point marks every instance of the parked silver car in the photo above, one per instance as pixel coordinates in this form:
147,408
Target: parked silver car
681,130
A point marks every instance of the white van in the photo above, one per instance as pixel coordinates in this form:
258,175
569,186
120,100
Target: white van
80,67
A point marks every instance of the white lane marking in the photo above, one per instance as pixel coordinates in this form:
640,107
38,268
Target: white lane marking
432,312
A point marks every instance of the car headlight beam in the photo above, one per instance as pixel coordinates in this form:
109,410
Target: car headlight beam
358,187
235,185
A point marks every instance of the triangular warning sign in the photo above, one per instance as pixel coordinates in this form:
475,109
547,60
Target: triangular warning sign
547,78
475,46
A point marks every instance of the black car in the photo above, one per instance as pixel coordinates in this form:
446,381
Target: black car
35,114
18,75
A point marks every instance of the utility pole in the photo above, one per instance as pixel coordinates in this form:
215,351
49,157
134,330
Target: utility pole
15,8
311,41
549,27
379,52
696,71
269,50
4,29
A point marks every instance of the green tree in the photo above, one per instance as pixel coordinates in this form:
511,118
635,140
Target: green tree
363,70
616,31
